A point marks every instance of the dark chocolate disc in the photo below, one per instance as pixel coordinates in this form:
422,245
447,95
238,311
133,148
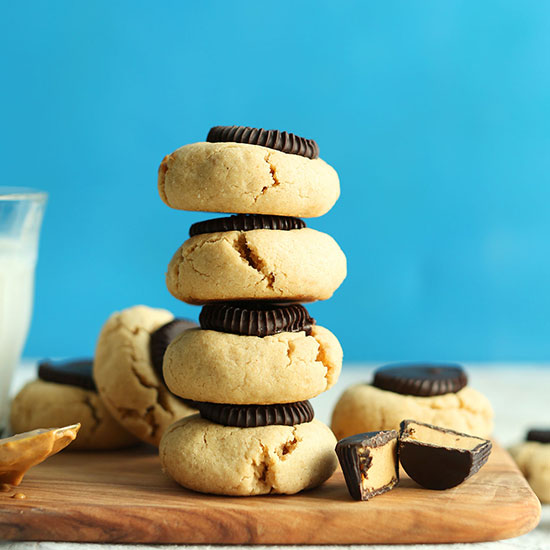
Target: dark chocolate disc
255,318
252,416
542,436
421,379
274,139
161,338
72,373
246,222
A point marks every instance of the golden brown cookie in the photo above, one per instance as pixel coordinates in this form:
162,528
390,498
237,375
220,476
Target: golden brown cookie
125,378
247,179
364,408
42,404
212,458
300,265
206,365
533,459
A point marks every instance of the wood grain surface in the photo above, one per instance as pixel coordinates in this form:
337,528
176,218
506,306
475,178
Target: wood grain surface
124,497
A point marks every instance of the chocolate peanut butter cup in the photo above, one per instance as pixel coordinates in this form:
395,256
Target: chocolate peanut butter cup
246,222
252,416
437,458
369,462
161,338
541,436
72,373
255,318
420,379
274,139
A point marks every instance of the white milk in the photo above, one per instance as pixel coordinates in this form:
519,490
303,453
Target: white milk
17,263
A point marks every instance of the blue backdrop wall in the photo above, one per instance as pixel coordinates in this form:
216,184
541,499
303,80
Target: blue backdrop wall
435,114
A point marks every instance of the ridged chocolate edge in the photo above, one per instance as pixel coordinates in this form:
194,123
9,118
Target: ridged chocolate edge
274,139
255,318
246,222
349,462
417,386
480,457
49,372
347,451
253,416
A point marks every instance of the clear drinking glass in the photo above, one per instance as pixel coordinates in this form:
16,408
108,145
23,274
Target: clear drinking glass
21,212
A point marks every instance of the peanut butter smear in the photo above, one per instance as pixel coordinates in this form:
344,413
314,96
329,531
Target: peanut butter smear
21,452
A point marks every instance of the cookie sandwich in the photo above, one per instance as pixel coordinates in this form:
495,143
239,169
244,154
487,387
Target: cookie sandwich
251,171
258,356
436,394
128,370
255,257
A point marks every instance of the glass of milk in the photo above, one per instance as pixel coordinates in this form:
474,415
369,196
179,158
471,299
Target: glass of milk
21,212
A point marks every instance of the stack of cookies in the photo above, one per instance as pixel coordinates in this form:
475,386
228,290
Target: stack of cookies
258,356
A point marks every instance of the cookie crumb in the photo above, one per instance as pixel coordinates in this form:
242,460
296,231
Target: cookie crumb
19,496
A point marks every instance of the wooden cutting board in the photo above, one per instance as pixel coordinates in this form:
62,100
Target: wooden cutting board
124,497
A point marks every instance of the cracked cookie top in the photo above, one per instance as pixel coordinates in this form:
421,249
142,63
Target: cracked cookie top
246,179
126,379
247,370
40,403
279,266
212,458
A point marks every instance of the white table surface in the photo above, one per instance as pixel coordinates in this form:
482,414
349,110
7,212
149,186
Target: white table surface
519,394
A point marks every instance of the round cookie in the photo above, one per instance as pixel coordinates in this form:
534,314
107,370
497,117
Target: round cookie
42,404
364,408
126,379
301,265
533,459
247,179
206,365
212,458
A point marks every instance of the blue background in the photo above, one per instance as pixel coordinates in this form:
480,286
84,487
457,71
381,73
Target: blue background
435,114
